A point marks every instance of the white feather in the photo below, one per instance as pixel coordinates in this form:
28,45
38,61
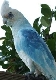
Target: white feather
5,8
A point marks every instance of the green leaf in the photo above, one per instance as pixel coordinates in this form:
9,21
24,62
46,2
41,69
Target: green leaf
55,15
5,66
2,38
51,44
36,25
1,62
0,53
1,48
45,21
8,35
54,35
46,10
36,22
54,54
6,28
46,33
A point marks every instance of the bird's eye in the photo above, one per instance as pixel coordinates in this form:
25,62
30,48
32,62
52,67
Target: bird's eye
10,15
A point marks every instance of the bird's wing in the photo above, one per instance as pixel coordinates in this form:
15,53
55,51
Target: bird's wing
35,42
33,45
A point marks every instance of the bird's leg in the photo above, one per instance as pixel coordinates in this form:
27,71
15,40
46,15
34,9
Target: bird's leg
30,75
37,72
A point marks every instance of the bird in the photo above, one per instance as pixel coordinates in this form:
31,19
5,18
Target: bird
29,45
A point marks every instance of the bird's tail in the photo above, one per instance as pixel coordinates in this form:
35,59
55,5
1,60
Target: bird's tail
52,71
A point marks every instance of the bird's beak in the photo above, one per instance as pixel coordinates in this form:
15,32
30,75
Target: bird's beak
4,20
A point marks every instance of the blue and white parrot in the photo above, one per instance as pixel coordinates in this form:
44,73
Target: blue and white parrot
30,47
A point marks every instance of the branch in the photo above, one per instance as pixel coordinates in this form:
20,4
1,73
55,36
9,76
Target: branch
16,76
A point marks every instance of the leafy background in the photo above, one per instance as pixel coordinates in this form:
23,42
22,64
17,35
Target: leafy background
9,58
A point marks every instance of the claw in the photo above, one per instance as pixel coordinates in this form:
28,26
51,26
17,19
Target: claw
29,76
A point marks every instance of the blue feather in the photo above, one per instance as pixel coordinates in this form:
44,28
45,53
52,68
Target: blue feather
34,46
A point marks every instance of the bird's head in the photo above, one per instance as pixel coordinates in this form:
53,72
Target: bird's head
9,15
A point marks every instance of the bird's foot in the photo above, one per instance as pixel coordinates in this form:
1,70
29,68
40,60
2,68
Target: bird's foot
29,76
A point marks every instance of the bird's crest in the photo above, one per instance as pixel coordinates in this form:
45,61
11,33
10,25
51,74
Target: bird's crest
5,8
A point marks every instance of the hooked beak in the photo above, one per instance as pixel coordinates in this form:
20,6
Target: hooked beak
4,20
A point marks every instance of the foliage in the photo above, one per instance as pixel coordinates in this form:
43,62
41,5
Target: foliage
8,52
46,20
10,59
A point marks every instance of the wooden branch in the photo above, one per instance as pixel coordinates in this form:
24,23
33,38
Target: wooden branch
16,76
11,76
